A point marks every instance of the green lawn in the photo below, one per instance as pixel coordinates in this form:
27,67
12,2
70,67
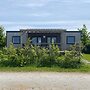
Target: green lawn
86,56
84,68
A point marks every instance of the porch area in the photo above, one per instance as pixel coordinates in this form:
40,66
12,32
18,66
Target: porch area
45,39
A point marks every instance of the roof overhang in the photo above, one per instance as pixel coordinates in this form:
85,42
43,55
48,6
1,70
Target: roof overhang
42,30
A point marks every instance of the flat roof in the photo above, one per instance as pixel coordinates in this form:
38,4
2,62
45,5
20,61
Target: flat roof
43,30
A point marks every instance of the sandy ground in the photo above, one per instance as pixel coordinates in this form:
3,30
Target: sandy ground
44,81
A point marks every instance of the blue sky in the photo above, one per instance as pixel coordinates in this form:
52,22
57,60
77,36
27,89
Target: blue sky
66,14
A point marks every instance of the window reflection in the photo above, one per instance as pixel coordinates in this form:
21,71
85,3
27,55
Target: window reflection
16,39
53,39
34,40
39,40
48,40
70,39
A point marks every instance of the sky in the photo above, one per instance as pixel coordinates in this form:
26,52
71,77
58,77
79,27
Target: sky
63,14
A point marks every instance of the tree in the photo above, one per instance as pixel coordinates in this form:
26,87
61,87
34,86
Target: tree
85,38
2,37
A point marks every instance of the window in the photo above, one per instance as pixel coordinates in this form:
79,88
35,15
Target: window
16,39
70,39
39,40
53,39
48,40
34,40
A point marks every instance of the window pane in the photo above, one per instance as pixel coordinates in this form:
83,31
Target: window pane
71,39
48,40
34,40
39,40
53,39
16,40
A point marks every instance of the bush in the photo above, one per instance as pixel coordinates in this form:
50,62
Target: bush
86,49
9,56
39,56
42,59
47,57
71,60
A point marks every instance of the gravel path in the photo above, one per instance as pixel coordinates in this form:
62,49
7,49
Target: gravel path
44,81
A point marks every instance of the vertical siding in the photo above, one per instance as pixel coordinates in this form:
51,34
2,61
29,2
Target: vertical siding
77,38
63,46
24,37
61,37
9,38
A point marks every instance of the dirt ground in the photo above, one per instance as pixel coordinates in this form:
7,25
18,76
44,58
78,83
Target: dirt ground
44,81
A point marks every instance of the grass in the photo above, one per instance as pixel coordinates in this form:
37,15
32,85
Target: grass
85,68
86,56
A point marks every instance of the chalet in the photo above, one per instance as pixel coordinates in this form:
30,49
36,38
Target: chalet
44,37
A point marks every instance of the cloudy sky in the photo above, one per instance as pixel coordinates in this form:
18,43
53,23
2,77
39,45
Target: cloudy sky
66,14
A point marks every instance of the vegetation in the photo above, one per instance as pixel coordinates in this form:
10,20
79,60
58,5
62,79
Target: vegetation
85,39
36,58
39,57
84,68
2,37
86,57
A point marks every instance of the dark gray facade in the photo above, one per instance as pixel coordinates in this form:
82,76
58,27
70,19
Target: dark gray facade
44,37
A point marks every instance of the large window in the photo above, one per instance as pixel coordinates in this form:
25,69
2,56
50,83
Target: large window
51,40
70,40
16,39
48,40
34,40
39,40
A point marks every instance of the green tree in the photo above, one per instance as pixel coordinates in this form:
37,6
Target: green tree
85,38
2,37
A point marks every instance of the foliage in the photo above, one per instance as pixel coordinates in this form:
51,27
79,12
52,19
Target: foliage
72,58
42,57
85,35
2,37
38,56
9,56
47,57
85,38
87,48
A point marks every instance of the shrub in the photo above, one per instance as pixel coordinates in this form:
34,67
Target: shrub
59,60
71,60
53,53
40,56
43,57
47,57
8,57
86,49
